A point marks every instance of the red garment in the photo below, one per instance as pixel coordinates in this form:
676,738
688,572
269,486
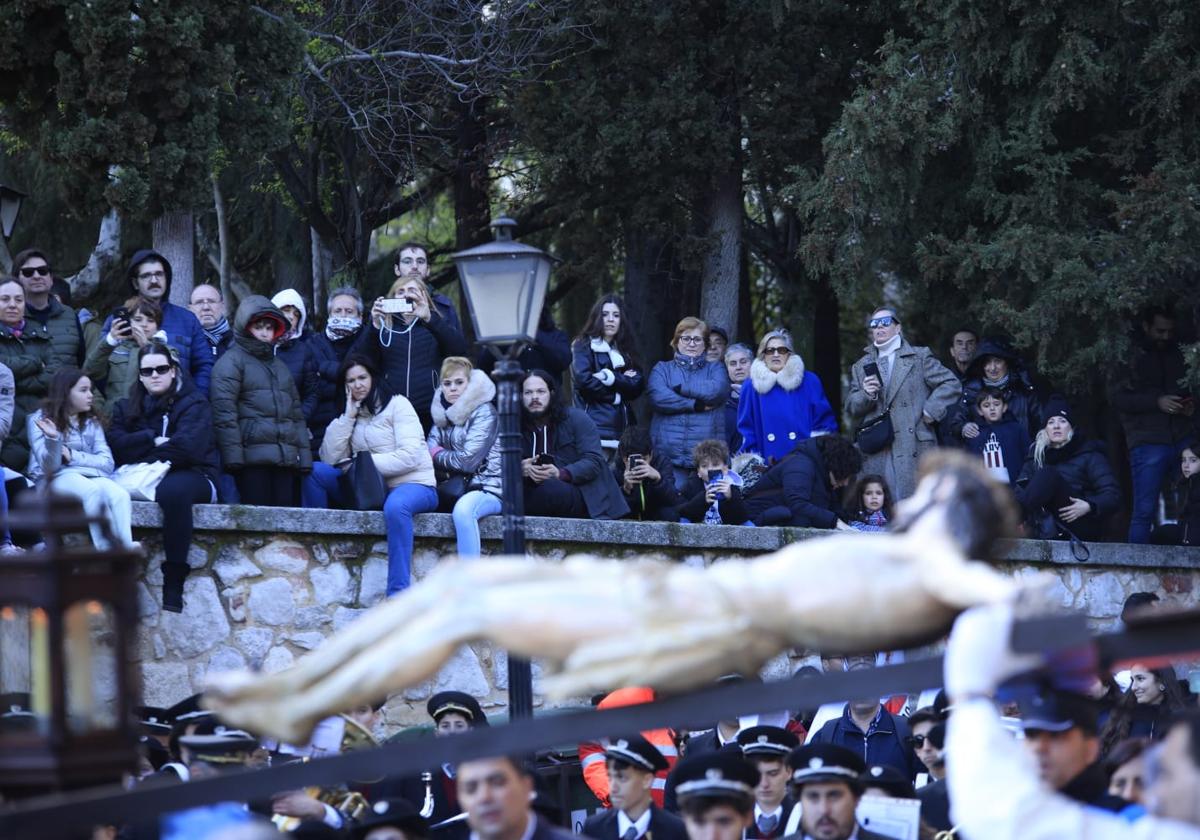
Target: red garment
591,754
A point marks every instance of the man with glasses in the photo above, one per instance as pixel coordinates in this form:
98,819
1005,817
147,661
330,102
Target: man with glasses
902,387
209,308
412,260
62,324
149,277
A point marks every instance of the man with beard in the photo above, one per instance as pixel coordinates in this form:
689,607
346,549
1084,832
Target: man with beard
566,473
1156,413
149,276
826,786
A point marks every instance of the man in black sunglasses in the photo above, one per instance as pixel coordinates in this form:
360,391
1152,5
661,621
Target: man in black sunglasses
67,348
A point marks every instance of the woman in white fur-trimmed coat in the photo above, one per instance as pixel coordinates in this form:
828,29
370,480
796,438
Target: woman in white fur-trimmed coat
785,403
464,441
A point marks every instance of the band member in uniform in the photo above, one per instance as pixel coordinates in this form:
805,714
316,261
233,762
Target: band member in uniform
716,794
632,763
825,783
391,819
767,748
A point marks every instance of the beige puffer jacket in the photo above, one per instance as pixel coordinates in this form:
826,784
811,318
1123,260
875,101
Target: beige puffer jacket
394,438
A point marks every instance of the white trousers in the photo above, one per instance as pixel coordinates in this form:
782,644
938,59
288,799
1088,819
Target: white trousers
100,497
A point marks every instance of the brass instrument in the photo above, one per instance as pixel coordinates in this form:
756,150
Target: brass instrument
349,803
427,805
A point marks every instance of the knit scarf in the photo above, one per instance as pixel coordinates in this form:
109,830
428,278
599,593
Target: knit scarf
890,346
997,383
339,327
218,331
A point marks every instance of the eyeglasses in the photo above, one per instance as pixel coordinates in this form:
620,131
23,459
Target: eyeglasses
690,339
885,321
159,370
918,741
152,275
30,271
777,351
205,302
413,260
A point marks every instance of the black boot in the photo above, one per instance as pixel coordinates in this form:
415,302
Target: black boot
173,578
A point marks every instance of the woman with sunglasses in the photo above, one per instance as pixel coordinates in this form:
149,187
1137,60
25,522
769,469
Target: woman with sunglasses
165,418
688,393
785,403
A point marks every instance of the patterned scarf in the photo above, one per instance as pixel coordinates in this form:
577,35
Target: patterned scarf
218,331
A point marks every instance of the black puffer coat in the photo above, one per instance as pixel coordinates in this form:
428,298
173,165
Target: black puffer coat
1019,394
607,404
185,415
255,403
1084,466
799,482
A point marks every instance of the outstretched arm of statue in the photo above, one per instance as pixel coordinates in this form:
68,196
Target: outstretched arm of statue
609,623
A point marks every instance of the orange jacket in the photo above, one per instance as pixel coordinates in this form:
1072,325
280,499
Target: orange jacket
591,754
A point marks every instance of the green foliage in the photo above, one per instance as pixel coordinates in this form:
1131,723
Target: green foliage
1030,167
136,106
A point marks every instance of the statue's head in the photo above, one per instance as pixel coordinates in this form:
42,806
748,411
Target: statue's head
955,494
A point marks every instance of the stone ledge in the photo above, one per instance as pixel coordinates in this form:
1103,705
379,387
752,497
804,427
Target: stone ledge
651,535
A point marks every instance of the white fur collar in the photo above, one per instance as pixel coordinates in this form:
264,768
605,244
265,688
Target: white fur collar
599,345
480,390
789,378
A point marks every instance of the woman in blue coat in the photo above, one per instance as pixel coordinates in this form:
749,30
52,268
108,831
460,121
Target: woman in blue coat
604,371
688,394
785,403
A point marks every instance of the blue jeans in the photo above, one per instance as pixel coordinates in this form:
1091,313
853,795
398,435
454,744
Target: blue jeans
468,510
321,487
1149,464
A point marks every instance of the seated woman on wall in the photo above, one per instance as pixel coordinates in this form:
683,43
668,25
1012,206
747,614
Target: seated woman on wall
112,361
66,437
784,404
465,447
165,418
1066,486
373,420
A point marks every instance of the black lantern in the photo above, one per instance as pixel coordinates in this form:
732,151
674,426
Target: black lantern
10,208
505,284
68,614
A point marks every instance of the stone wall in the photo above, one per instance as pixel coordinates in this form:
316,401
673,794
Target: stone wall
267,585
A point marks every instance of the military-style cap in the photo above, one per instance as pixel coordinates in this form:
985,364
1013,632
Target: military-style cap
1058,711
825,763
767,741
637,751
398,813
894,782
717,774
222,746
153,720
458,702
188,710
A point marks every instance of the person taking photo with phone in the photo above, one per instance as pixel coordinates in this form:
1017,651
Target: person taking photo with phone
113,361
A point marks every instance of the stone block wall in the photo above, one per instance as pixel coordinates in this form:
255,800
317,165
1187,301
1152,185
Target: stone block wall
268,585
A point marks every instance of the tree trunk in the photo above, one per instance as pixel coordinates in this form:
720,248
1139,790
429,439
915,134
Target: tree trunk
827,346
174,237
472,205
107,251
322,266
222,240
722,268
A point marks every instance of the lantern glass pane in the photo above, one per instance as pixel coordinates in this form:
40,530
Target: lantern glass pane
90,663
24,670
503,293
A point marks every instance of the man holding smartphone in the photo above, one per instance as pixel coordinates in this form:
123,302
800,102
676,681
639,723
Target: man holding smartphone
908,385
565,471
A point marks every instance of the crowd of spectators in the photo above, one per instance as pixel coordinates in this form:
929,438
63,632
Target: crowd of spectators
267,409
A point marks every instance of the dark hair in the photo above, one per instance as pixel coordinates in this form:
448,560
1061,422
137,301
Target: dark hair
635,440
925,714
1147,315
960,329
593,327
61,289
25,256
697,806
712,450
854,498
405,245
379,395
1123,753
842,457
555,410
138,304
1116,729
137,395
55,405
1138,601
988,391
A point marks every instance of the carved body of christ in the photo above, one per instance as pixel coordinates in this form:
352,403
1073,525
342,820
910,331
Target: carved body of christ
611,623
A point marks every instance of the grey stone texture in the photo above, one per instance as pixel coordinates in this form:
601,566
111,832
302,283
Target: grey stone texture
269,584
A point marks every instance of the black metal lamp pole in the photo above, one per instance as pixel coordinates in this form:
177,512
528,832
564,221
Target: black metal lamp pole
508,374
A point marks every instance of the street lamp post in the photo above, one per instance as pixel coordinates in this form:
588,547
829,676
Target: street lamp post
505,285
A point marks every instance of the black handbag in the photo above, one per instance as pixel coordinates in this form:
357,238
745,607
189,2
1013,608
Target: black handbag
450,490
876,435
361,485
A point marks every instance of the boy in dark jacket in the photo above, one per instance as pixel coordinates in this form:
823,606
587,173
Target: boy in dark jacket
802,490
714,494
259,424
645,477
1002,440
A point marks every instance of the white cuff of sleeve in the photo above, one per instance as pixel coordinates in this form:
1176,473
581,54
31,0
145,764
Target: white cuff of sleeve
112,342
333,817
606,376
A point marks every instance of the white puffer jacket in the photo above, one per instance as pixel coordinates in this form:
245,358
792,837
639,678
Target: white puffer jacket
394,438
